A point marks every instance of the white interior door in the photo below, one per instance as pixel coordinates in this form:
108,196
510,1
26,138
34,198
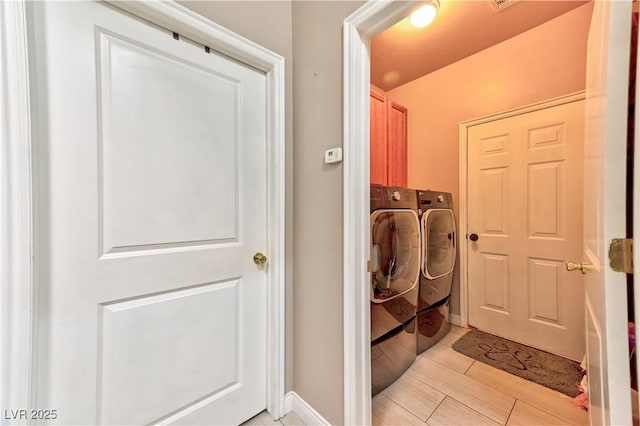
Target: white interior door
150,173
604,212
524,189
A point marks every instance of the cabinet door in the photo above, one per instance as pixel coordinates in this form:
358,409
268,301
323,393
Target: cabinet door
397,145
378,134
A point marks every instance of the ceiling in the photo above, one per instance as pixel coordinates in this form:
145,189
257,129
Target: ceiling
461,28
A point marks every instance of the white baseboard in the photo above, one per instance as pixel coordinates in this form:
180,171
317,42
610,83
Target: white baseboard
288,403
300,407
455,319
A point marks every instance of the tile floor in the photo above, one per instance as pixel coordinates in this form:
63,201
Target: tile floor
264,419
444,387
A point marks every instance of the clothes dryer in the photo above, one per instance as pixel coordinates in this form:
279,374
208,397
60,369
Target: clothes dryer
395,271
437,261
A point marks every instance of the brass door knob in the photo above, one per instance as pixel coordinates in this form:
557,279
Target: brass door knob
582,267
259,259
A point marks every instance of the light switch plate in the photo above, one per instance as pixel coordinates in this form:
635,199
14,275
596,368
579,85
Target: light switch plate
333,155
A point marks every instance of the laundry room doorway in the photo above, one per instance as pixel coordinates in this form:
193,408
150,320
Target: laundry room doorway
359,28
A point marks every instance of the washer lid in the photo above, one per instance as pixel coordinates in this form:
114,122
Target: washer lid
438,243
395,253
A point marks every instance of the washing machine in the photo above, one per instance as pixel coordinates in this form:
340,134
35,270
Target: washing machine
394,277
437,261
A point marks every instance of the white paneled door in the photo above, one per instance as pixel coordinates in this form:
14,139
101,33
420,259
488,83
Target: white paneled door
150,169
524,221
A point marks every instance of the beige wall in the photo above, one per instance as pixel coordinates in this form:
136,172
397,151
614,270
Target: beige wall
545,62
318,286
267,23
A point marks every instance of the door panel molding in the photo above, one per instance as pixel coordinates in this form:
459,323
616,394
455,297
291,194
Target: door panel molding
18,284
464,160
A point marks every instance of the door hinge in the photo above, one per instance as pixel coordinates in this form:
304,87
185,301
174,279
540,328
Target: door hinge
621,255
368,266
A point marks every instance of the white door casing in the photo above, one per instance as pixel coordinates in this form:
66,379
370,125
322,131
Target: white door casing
604,212
16,272
124,313
369,20
524,188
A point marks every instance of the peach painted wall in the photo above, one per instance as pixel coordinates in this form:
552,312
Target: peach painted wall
545,62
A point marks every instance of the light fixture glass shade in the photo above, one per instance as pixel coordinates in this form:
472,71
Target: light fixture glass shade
425,15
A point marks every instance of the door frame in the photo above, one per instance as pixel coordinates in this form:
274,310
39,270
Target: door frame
18,271
463,149
370,19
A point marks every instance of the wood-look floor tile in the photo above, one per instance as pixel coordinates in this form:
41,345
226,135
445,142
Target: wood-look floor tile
460,331
524,414
386,412
415,396
291,420
261,419
532,393
443,353
452,412
478,396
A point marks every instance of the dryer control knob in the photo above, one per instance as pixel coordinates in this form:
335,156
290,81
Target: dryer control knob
440,198
395,196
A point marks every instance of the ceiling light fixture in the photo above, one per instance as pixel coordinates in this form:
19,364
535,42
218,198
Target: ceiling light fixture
425,15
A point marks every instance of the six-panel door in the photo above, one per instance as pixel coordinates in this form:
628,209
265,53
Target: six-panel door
525,205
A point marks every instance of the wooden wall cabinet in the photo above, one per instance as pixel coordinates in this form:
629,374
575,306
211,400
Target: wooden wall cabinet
388,149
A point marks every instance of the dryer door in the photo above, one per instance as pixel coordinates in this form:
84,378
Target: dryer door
395,253
438,243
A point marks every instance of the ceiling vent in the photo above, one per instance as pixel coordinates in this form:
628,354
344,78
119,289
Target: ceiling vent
500,5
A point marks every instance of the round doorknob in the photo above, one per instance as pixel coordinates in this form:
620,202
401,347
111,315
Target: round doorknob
259,259
473,237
